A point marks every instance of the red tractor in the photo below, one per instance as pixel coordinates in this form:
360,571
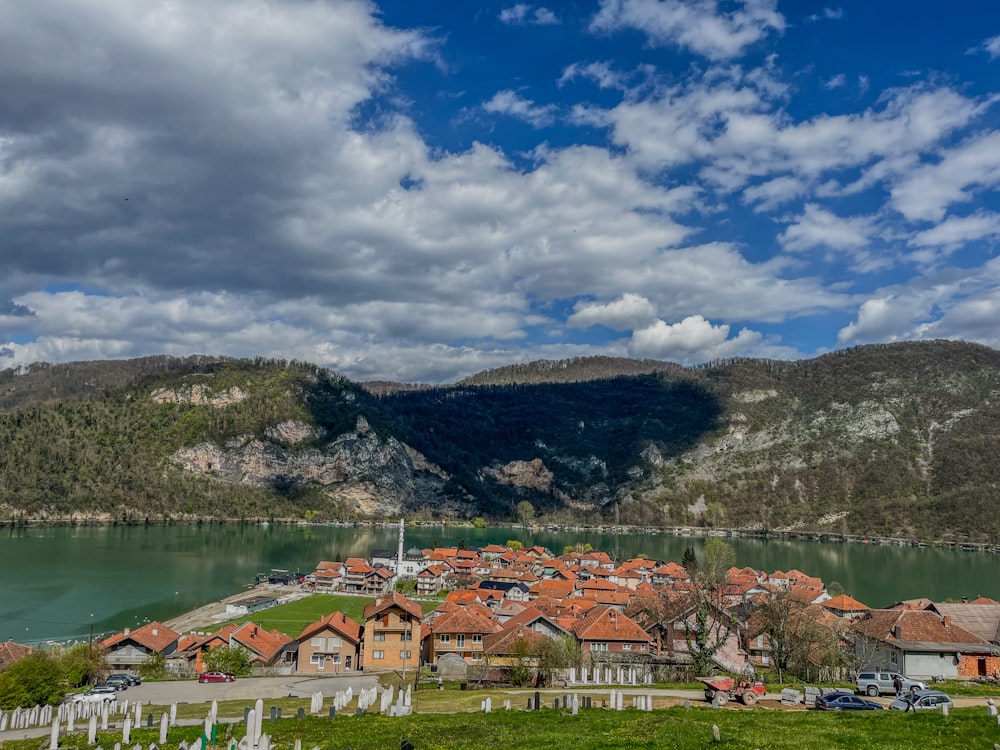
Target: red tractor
747,692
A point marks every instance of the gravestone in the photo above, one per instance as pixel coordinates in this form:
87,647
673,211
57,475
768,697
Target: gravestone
274,713
333,712
149,720
301,714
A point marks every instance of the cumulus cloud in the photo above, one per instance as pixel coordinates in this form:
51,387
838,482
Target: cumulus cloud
991,47
599,72
817,227
693,339
698,25
953,233
511,103
926,193
628,312
523,14
835,82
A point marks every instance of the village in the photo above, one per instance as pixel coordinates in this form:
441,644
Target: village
506,614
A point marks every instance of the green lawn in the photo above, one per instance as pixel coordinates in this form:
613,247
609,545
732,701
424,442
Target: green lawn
291,618
607,730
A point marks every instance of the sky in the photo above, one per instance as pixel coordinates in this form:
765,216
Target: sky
417,191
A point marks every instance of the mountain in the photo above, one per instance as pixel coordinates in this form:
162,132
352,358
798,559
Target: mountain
897,439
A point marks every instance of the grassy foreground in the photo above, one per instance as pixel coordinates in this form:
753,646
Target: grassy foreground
602,730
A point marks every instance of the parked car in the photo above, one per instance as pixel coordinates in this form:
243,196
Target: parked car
120,681
883,683
216,676
923,700
130,679
845,701
97,694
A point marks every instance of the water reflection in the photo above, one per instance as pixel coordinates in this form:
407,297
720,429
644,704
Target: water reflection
129,574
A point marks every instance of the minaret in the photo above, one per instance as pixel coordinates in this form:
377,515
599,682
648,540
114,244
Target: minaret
399,551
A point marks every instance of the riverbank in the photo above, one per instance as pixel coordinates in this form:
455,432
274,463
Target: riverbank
99,520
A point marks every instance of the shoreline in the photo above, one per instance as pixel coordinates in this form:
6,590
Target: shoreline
105,521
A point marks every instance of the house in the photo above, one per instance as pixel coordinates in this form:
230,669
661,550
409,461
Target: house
11,652
130,648
980,619
331,644
430,580
606,631
266,647
392,625
846,607
920,643
670,620
460,632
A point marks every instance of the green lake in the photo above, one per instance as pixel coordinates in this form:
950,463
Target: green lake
59,582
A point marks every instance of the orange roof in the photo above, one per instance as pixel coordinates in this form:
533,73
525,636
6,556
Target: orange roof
395,599
464,621
911,625
507,641
336,621
11,652
155,636
844,603
555,589
328,565
266,643
605,624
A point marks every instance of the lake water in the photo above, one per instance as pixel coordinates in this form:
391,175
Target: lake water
58,582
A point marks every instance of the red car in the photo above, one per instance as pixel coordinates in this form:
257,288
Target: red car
216,676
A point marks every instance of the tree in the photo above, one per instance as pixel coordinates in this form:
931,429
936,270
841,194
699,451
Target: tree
717,558
835,588
82,664
35,680
521,670
231,659
525,513
154,667
513,544
690,561
708,627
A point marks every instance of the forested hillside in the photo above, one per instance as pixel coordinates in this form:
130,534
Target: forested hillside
899,439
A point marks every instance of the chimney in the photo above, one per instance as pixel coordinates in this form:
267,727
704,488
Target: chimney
947,621
156,631
127,631
897,632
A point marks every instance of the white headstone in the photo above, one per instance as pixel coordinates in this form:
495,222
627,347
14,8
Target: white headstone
92,730
164,723
127,730
173,714
54,736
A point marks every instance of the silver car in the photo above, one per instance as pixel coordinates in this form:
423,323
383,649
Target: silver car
923,700
883,683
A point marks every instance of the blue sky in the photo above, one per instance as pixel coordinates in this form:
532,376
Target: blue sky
417,191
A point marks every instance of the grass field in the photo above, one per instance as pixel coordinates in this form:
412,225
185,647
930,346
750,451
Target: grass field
291,618
597,729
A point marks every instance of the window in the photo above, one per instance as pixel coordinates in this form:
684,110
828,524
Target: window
378,637
316,659
626,647
378,654
642,646
405,654
477,638
317,642
335,642
407,635
598,646
445,638
336,658
460,640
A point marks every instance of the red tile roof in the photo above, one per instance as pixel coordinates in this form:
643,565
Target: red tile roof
605,624
338,622
155,636
266,643
395,599
845,603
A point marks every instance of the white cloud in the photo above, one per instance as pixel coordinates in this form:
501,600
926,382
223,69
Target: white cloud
524,14
927,192
599,72
513,104
773,193
697,25
835,82
992,47
888,318
827,14
693,339
956,231
817,227
628,312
